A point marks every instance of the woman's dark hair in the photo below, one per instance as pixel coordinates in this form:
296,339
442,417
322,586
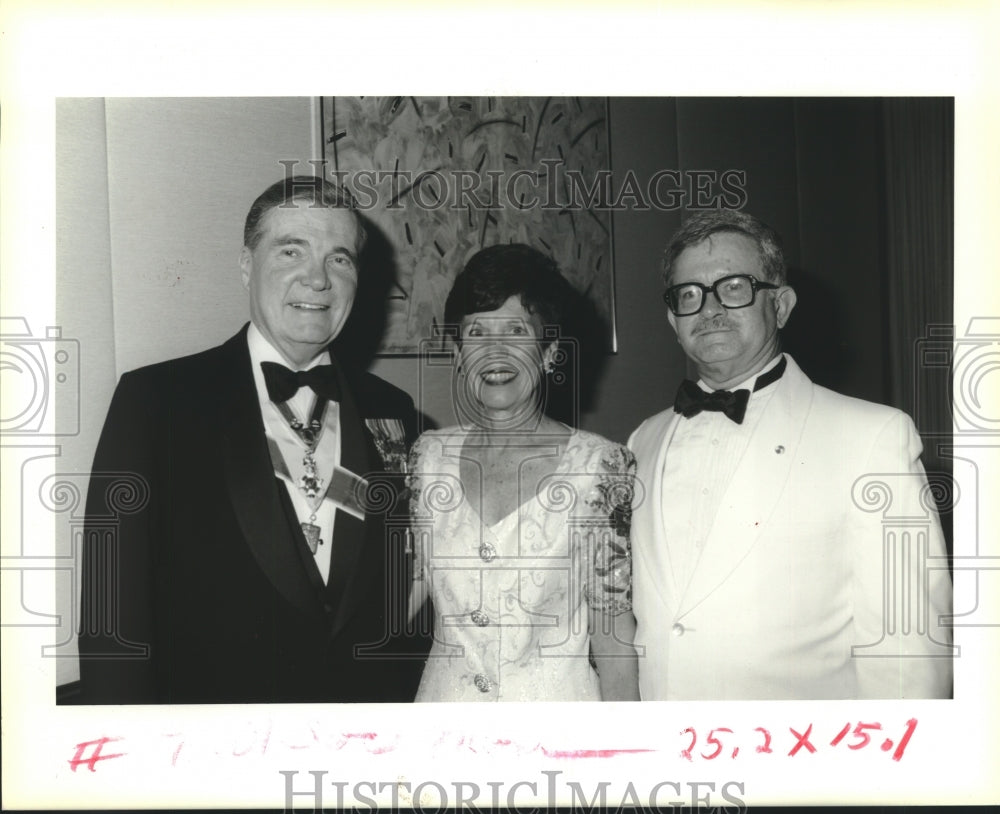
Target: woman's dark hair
496,273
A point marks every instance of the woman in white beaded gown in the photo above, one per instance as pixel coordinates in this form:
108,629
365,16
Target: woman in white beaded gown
520,523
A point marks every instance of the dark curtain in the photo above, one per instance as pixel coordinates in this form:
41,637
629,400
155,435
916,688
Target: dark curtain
919,165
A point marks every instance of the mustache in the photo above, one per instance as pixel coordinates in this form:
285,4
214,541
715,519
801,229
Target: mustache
715,324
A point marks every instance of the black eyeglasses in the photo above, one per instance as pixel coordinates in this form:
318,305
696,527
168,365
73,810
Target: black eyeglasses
735,291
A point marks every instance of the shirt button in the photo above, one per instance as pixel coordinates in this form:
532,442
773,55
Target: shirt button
487,553
480,618
483,684
715,442
677,629
704,491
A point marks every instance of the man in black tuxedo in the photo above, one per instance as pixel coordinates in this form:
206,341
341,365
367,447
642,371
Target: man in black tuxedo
258,553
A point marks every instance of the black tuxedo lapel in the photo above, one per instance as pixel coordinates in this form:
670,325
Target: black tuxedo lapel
251,482
350,557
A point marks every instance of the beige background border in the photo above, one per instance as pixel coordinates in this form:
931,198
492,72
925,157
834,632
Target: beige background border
60,49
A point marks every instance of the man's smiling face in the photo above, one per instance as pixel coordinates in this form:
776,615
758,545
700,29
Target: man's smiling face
302,277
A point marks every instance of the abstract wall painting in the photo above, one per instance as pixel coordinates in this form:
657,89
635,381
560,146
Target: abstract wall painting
442,177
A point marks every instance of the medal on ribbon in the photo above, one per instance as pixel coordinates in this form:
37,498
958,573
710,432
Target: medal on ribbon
311,533
311,484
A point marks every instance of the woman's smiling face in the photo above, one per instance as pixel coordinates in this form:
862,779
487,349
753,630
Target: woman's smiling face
502,359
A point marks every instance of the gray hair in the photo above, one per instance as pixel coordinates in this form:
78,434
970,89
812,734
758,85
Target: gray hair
702,225
318,191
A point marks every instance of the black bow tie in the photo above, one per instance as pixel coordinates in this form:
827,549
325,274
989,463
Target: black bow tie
283,383
691,399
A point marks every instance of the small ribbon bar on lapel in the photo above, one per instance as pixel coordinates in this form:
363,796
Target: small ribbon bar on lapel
283,383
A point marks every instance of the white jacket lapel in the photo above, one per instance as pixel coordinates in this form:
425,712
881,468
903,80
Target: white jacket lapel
650,443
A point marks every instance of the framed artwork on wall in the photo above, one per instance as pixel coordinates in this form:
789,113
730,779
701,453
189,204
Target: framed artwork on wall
439,178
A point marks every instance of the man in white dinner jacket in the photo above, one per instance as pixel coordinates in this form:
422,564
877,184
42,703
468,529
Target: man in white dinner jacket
787,546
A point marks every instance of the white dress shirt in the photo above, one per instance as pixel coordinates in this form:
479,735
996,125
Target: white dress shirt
703,455
326,455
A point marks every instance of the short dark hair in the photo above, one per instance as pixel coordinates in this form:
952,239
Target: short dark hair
496,273
318,191
702,225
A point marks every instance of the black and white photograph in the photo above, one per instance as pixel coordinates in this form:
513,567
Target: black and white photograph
325,411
